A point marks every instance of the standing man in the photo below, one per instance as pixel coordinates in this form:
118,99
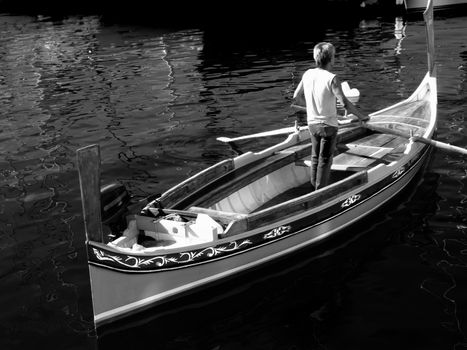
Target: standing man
321,88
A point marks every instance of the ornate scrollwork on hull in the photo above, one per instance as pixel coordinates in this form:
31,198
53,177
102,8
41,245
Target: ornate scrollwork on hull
351,200
277,232
398,173
170,260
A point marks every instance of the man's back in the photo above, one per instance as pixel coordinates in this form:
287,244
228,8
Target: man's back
319,96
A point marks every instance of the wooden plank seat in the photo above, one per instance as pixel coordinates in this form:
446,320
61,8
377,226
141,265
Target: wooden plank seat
377,140
356,158
359,156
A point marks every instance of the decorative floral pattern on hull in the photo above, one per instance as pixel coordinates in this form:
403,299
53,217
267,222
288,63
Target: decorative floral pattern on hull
139,262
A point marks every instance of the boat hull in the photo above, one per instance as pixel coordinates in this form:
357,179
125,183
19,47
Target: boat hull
122,288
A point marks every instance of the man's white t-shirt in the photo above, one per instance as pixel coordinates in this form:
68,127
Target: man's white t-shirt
320,100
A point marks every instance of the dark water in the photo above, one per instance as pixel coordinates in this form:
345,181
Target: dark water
155,100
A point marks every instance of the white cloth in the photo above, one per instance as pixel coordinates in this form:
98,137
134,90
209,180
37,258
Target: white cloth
320,100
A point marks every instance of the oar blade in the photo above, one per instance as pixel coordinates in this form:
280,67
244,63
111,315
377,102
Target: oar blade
282,131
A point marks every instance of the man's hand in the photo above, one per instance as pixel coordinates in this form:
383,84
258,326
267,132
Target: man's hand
364,119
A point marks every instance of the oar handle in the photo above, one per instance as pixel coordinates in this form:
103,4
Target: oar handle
434,143
442,145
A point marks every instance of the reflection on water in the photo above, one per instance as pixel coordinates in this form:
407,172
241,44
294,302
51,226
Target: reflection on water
155,100
399,33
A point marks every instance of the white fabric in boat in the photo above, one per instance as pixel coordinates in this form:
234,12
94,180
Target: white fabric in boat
205,228
263,190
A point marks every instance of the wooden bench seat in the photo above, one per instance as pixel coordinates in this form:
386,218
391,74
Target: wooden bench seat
359,156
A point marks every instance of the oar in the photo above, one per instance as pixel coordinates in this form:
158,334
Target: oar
434,143
346,122
282,131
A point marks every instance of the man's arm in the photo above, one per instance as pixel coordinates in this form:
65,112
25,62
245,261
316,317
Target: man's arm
299,89
349,106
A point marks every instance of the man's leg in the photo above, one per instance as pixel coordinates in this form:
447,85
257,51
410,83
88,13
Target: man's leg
326,152
315,150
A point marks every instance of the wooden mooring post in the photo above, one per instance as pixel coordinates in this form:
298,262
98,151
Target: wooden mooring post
89,179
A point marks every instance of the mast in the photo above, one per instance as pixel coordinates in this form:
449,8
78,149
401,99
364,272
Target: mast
428,16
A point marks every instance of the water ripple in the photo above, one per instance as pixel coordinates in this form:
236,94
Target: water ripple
155,100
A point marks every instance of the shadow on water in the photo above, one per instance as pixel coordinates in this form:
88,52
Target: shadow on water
273,307
238,51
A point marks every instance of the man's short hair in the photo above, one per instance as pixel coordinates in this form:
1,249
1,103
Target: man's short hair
323,53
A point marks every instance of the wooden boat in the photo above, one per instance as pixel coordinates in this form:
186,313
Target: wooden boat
244,212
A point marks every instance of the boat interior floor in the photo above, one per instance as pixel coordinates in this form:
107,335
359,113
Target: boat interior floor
302,190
